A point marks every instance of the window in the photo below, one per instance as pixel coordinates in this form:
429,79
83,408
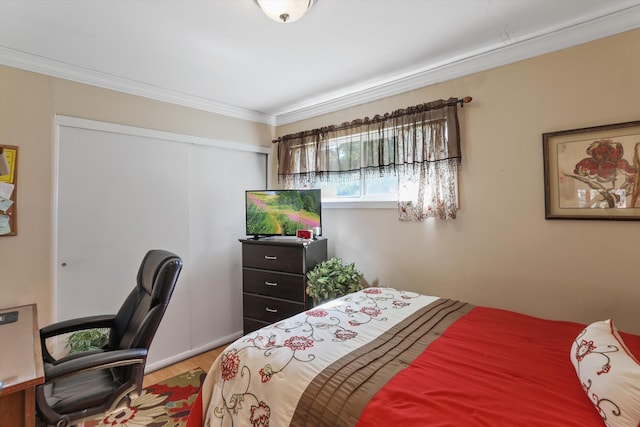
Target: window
416,150
361,185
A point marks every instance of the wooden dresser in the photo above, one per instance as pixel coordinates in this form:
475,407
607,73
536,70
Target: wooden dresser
274,278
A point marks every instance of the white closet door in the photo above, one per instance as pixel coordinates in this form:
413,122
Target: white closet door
219,179
121,194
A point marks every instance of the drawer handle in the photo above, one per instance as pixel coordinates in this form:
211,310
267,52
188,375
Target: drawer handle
271,257
271,283
271,310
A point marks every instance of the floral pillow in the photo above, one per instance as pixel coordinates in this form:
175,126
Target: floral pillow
609,373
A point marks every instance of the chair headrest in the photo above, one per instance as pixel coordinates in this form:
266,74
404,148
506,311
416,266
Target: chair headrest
156,264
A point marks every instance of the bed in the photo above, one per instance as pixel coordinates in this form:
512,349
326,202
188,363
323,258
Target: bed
382,356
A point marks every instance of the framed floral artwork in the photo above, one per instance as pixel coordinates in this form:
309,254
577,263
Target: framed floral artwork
593,173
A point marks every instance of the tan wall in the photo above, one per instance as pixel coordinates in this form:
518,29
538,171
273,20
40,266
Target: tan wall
501,251
28,105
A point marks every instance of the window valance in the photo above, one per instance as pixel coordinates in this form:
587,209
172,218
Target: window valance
420,145
404,140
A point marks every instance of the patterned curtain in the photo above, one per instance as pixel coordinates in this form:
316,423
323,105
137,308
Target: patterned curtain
420,144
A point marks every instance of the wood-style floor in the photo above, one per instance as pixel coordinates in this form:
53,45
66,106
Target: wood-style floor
202,361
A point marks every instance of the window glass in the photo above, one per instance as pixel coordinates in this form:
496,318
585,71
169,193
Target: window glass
370,187
385,185
339,189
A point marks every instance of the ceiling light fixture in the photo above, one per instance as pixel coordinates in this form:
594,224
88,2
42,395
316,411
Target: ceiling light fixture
285,11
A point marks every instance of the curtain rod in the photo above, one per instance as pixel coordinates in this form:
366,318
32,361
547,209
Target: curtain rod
462,101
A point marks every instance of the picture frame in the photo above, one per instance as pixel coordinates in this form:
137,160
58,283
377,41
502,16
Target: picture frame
593,173
8,190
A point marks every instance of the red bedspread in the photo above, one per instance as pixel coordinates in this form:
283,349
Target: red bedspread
491,368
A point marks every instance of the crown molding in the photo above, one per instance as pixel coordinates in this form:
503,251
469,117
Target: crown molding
77,122
372,90
26,61
615,23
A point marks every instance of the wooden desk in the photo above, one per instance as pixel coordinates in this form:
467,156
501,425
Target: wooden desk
21,367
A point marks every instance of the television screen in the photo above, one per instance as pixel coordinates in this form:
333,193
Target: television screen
282,212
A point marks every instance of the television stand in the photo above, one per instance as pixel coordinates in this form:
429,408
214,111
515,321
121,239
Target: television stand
274,278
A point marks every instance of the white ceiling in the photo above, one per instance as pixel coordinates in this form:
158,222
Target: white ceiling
226,56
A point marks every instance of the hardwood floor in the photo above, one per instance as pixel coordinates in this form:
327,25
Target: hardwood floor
202,361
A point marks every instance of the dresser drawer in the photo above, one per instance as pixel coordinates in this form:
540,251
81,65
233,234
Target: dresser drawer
289,259
273,284
250,325
269,309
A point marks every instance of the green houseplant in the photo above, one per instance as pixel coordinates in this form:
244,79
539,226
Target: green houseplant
331,279
88,339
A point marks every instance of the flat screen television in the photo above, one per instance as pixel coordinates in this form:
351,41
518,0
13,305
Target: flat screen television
282,212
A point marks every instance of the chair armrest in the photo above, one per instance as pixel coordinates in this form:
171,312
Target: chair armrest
72,325
97,361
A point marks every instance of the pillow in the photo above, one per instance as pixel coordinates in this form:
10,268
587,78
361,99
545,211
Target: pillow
609,374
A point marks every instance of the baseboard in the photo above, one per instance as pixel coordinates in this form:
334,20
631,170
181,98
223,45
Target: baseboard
191,353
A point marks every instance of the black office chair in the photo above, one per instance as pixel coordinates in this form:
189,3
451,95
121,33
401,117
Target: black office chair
82,385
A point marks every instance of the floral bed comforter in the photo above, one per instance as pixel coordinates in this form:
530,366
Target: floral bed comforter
384,357
266,378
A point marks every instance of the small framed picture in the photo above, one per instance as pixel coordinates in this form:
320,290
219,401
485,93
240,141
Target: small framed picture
304,234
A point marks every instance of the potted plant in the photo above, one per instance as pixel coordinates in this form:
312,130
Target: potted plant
331,279
88,339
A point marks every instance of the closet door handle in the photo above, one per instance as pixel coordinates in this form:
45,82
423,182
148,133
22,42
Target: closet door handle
271,310
271,283
271,257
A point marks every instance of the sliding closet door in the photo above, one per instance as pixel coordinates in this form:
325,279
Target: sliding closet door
218,181
121,194
118,196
